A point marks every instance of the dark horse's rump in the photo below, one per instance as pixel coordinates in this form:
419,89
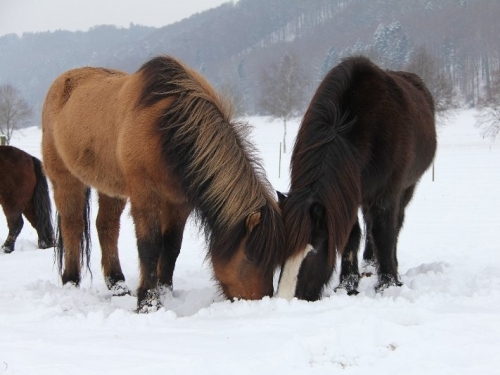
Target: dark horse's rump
24,191
365,141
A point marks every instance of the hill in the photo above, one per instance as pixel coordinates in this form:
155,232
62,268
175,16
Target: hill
234,43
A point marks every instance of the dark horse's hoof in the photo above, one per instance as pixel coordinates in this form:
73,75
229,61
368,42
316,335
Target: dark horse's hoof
349,283
149,303
385,281
45,244
7,249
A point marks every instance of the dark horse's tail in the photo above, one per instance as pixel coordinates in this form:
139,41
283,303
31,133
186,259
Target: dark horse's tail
42,207
325,174
85,241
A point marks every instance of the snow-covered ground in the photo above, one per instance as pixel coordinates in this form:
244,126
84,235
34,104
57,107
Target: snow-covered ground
445,319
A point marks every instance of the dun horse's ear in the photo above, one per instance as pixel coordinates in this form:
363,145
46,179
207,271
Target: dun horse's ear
253,220
317,213
281,197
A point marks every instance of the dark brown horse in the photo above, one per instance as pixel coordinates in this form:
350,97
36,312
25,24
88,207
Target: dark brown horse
365,141
24,191
163,139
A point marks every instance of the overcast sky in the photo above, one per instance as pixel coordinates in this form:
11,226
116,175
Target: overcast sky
18,16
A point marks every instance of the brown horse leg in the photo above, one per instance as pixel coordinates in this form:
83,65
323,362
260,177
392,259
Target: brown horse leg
149,245
29,213
108,228
349,273
384,233
70,197
173,222
15,223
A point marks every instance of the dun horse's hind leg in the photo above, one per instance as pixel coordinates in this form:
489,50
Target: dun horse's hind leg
15,223
349,273
70,197
173,222
108,228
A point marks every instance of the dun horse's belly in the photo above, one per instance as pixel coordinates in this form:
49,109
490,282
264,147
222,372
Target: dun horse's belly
94,164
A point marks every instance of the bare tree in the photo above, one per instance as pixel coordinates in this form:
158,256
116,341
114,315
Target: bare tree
282,91
488,117
425,65
14,111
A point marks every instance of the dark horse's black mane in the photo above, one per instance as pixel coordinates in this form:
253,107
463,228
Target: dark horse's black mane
325,123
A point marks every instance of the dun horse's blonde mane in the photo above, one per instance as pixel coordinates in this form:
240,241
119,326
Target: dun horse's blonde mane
219,167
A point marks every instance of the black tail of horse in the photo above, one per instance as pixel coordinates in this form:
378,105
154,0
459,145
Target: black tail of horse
42,207
85,243
325,175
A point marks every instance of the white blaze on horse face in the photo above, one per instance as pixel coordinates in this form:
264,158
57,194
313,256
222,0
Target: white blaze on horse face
290,274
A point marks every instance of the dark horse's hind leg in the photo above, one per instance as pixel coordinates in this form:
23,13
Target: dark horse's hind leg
145,212
369,260
173,222
349,273
383,224
383,227
108,228
15,223
405,199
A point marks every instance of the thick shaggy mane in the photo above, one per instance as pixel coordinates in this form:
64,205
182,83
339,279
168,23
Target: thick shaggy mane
324,166
218,168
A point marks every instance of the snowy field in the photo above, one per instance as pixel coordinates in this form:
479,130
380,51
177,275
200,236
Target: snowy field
445,319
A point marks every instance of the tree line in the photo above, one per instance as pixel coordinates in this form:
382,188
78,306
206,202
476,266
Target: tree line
240,47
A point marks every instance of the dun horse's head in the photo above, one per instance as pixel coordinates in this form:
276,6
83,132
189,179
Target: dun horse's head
308,262
253,251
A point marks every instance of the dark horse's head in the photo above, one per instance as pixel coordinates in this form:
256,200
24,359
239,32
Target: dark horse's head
296,277
311,261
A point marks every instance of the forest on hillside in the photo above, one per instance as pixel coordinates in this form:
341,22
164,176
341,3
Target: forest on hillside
454,44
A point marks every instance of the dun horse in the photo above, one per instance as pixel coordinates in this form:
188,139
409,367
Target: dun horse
24,191
163,139
365,141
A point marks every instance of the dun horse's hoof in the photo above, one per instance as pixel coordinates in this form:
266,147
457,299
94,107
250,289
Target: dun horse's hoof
119,289
71,280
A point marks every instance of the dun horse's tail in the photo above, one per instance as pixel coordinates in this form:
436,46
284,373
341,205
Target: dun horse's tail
42,207
85,241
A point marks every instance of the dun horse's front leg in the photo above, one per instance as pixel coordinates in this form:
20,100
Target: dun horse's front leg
173,221
108,228
149,246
